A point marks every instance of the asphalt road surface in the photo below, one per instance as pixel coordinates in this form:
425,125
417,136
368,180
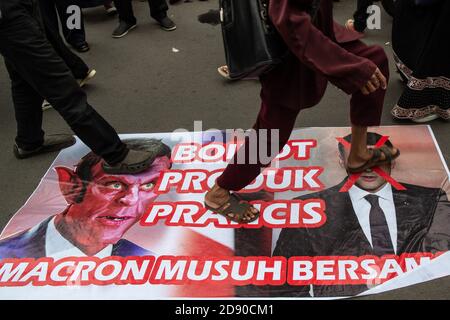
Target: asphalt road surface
157,81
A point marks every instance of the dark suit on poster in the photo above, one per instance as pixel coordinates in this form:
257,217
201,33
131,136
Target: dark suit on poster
31,244
423,220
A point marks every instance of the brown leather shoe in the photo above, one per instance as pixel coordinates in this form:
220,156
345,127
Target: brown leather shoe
136,161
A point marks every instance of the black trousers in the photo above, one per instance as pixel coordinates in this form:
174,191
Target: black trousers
360,16
52,9
50,20
158,10
37,72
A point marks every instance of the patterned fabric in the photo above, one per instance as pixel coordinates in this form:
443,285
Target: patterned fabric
421,54
419,113
422,97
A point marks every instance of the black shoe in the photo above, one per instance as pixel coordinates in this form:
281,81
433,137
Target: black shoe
136,161
81,47
166,23
52,143
123,29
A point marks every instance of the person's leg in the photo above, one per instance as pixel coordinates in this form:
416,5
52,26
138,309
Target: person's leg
158,11
360,16
28,111
75,37
237,175
26,49
127,20
125,10
158,8
49,15
359,153
76,64
366,110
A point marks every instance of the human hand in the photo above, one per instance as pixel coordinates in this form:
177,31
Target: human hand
375,82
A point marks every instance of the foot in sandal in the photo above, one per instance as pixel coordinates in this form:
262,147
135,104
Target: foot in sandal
372,158
231,206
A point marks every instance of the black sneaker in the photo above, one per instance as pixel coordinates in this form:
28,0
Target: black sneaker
166,23
52,143
123,29
136,161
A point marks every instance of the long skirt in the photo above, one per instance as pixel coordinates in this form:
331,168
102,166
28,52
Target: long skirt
421,43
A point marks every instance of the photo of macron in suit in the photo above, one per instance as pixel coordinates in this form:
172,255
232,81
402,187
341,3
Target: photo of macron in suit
372,218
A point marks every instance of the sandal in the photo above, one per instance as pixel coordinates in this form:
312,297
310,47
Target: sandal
234,209
376,159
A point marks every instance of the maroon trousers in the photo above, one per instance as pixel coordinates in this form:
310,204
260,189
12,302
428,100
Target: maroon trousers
365,110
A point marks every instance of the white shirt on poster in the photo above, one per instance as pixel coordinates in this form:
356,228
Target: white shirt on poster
57,247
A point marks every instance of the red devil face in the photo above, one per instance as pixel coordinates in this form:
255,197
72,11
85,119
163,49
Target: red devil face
111,205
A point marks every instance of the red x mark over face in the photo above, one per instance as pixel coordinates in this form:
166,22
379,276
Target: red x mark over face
354,177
